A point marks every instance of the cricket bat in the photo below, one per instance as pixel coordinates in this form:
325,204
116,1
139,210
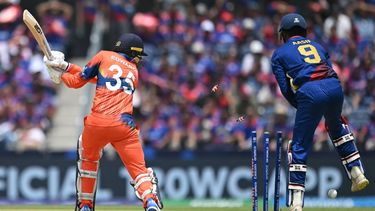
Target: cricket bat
39,36
37,32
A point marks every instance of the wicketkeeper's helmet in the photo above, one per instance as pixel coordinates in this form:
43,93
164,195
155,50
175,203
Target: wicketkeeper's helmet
291,20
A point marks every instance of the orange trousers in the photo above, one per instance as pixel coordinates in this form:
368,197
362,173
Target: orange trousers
97,133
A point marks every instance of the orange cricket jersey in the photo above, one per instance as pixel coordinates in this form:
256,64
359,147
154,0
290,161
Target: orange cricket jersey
116,81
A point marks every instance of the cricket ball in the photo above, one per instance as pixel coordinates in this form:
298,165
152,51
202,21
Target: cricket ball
332,193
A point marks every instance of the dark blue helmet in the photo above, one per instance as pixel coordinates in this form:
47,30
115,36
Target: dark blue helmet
291,20
130,44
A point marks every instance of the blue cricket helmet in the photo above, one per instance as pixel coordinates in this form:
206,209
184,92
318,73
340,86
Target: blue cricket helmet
129,43
291,20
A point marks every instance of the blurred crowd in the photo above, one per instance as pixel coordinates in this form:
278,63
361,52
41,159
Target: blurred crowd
195,46
27,96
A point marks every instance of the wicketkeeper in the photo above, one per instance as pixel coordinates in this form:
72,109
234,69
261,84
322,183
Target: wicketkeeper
304,73
115,74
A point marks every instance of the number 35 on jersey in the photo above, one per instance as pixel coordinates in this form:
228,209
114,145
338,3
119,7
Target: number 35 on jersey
127,83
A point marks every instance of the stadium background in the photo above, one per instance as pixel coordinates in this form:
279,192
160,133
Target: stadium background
190,134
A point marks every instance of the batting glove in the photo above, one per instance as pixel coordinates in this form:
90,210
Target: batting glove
56,66
57,61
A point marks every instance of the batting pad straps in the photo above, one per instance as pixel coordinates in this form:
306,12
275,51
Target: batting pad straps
296,186
146,192
297,167
150,187
343,139
147,178
85,196
142,180
88,174
350,158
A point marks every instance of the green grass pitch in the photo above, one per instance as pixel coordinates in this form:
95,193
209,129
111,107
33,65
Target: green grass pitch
138,208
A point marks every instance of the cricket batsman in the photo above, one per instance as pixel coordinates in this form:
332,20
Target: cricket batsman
304,73
115,74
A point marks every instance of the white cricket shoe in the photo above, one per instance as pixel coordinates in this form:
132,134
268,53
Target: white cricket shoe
297,201
359,181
